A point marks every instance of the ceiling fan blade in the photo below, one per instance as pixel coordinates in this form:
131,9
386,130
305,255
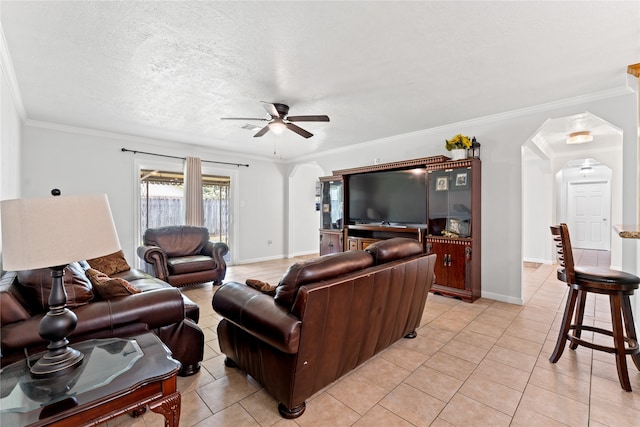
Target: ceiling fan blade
308,118
298,130
262,131
271,109
243,118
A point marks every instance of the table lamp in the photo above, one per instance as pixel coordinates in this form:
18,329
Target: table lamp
54,232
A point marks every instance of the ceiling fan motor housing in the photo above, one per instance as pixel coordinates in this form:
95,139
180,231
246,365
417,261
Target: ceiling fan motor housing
282,109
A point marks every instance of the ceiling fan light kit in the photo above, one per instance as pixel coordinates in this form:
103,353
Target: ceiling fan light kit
281,120
580,137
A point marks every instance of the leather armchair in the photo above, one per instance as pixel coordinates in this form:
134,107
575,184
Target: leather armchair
183,255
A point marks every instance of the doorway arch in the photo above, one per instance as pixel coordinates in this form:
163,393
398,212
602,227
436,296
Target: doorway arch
544,202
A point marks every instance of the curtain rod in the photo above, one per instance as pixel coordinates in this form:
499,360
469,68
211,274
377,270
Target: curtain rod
183,158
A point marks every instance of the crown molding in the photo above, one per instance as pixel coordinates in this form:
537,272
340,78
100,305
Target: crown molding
6,66
451,127
122,137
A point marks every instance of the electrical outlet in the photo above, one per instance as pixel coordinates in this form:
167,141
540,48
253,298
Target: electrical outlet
269,242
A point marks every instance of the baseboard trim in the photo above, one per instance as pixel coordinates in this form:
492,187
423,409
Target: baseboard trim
502,298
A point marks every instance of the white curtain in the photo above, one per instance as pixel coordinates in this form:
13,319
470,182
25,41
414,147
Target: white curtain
193,209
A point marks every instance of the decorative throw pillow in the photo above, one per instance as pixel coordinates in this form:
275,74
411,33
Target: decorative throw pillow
107,287
110,264
36,287
264,287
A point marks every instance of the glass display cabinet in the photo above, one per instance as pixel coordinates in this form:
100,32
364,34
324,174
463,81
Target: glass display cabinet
453,231
331,215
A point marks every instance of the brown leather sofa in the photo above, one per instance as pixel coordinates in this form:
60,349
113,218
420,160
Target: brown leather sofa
329,315
159,307
183,255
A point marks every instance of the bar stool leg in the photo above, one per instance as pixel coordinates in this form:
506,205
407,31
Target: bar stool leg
630,328
618,340
582,298
566,325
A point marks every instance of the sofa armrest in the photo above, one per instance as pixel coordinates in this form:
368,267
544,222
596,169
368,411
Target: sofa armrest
157,258
216,250
259,315
155,309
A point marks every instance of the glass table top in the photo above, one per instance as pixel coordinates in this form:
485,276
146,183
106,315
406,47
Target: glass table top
104,360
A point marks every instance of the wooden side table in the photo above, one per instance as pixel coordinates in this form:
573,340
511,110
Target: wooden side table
117,376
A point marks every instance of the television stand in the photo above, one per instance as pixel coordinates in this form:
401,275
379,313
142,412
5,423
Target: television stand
359,236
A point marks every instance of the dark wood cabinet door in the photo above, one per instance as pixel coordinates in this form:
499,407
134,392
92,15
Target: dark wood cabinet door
457,266
330,243
441,270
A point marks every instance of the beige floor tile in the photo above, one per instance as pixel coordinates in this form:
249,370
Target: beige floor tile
193,409
234,415
482,389
611,414
564,385
526,334
434,383
407,359
357,392
413,405
325,410
560,408
379,416
462,411
611,391
225,391
262,407
519,344
503,374
383,373
486,328
451,365
464,351
476,339
527,418
512,358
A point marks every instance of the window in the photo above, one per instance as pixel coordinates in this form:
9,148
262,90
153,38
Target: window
162,201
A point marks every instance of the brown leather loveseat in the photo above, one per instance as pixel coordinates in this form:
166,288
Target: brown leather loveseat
158,307
183,255
329,315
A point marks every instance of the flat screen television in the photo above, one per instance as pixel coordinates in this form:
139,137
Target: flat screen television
397,197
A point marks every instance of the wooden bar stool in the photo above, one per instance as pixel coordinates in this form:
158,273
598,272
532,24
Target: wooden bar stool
618,285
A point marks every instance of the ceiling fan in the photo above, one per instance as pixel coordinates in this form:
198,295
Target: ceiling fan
280,120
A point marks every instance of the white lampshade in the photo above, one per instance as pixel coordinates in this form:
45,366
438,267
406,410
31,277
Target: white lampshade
55,231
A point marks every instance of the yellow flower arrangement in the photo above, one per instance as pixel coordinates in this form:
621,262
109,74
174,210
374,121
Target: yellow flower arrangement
458,142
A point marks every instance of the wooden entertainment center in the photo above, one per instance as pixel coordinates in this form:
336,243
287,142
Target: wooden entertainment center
434,200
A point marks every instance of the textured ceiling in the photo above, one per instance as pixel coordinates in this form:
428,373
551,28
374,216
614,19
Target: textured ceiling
170,70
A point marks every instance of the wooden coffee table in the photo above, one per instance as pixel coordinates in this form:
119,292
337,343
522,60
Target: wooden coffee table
116,376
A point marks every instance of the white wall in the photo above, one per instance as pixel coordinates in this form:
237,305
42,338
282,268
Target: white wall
537,202
10,135
304,220
501,137
84,162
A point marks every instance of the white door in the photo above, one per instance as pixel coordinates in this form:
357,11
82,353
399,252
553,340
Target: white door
589,208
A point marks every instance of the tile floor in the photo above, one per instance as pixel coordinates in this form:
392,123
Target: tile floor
480,364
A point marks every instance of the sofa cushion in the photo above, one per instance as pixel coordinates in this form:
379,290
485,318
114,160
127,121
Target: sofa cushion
107,287
177,240
384,251
317,269
12,311
190,264
110,264
36,287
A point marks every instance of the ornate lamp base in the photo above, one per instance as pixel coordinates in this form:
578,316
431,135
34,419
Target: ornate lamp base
54,327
